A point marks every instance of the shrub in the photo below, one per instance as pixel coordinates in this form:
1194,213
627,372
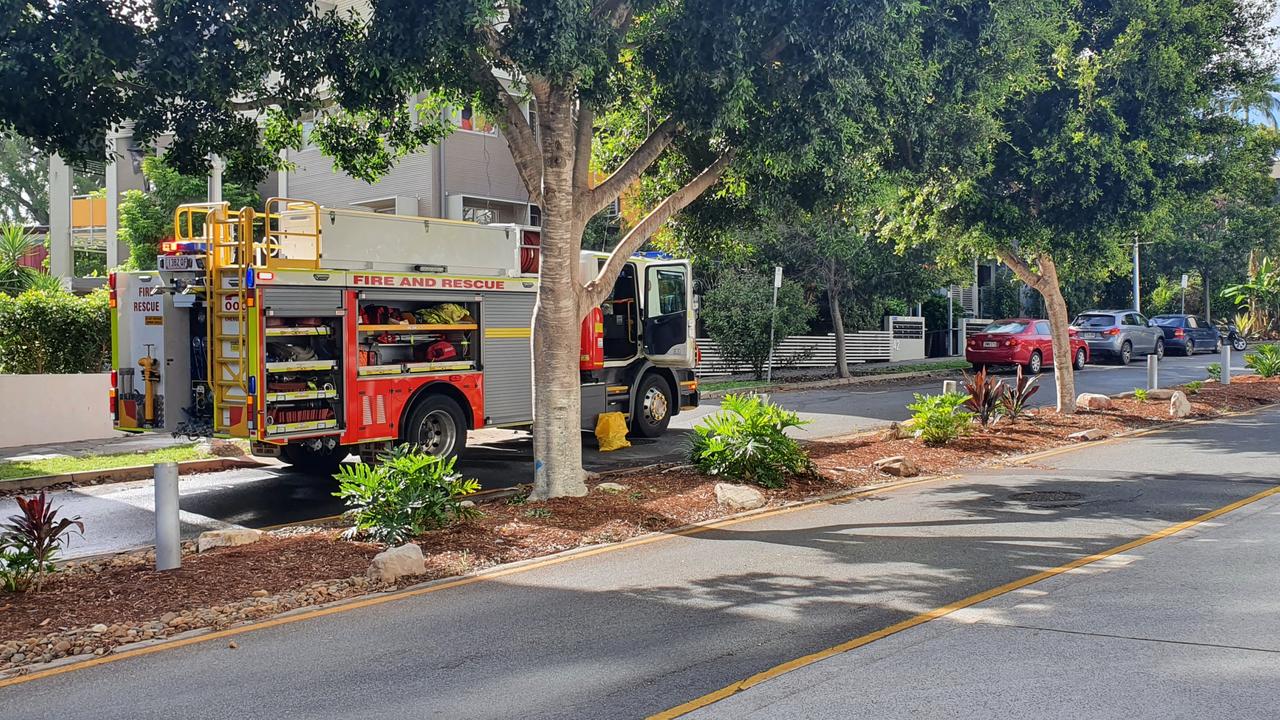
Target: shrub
1194,386
405,494
1265,360
29,542
939,419
1015,399
985,393
1215,371
736,314
1140,395
747,440
51,331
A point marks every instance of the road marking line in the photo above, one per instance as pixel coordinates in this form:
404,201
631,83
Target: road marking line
922,618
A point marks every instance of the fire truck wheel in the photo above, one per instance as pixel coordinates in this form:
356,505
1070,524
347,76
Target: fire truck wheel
653,406
438,425
315,462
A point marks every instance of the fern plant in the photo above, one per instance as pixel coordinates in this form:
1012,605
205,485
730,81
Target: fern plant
408,492
985,394
1265,360
939,419
1014,402
747,441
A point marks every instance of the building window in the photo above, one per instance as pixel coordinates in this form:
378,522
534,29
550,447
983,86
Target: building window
535,216
472,119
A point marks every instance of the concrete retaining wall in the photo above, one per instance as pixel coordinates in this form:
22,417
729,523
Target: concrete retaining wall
40,409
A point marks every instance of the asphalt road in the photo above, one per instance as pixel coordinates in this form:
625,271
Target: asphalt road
634,631
119,517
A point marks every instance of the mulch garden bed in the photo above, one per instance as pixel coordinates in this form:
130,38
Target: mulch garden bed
92,607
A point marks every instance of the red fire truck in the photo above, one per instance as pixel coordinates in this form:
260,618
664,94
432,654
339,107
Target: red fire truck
318,332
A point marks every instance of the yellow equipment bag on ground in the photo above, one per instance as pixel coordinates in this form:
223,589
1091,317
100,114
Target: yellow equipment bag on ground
611,431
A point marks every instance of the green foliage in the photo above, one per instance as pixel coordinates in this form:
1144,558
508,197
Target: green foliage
1015,399
986,393
747,441
737,311
1140,394
146,218
1214,370
15,243
405,494
30,541
1265,360
1259,296
1193,387
47,331
939,419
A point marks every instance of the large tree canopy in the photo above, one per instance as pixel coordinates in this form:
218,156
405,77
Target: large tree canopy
707,87
1119,116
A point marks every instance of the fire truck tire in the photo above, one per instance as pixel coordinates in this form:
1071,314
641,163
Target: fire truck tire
314,462
653,406
437,424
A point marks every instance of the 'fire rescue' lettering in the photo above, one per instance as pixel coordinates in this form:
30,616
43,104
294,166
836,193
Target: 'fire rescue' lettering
427,282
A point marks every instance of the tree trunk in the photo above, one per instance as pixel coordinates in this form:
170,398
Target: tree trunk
837,321
1208,308
557,390
1047,284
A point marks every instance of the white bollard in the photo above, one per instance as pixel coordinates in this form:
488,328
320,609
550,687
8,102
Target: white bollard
1153,372
1226,364
168,540
950,386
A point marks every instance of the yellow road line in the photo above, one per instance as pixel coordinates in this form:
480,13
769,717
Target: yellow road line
922,618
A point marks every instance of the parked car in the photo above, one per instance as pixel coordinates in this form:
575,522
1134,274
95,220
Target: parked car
1187,334
1020,341
1119,334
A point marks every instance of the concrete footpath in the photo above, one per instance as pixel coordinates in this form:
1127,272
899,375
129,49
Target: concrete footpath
632,631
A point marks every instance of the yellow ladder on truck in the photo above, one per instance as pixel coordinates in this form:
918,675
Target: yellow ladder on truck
228,242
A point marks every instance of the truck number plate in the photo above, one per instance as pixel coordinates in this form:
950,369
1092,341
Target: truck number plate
177,263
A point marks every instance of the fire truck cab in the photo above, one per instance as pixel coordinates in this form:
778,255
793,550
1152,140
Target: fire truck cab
319,332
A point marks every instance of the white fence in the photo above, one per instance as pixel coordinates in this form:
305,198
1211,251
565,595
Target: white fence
46,409
902,339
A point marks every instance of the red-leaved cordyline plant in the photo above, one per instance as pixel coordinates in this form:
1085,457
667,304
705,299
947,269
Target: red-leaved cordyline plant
1015,399
985,393
30,540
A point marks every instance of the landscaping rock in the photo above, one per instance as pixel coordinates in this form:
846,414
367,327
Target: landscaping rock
1087,435
1161,394
1093,401
611,487
227,537
739,497
1179,405
391,565
897,465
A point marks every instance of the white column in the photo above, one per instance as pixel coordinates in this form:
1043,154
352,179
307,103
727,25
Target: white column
60,184
216,165
121,176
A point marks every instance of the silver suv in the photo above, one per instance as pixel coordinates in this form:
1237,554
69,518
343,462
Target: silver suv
1119,334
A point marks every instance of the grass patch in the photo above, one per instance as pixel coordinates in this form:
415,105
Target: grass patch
18,469
731,385
957,364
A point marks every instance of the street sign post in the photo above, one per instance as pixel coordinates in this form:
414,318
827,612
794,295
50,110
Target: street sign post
773,310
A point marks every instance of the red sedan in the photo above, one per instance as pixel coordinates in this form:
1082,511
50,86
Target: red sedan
1020,341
